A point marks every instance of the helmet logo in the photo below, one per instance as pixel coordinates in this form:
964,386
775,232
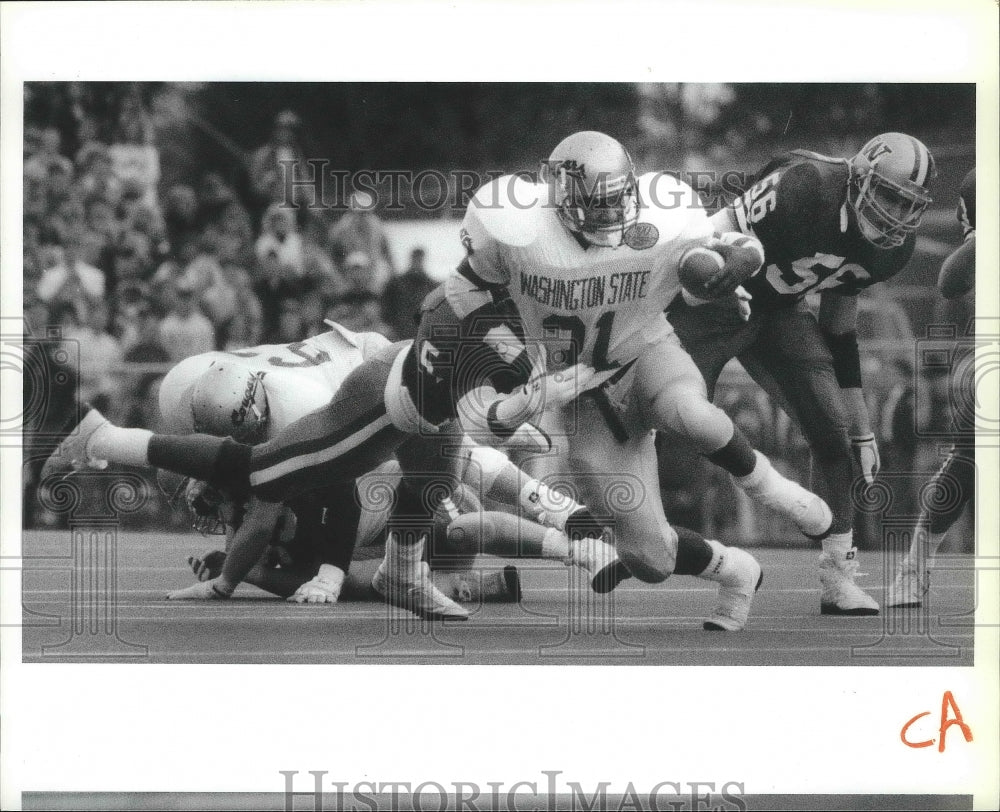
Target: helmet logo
574,169
239,416
876,150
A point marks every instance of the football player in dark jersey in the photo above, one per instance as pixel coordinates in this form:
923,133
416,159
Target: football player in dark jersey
956,479
834,226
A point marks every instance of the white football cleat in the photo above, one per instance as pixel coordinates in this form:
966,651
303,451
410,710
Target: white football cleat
807,511
910,586
601,560
416,593
71,454
841,596
736,592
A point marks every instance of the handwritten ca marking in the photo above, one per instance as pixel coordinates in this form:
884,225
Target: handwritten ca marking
948,705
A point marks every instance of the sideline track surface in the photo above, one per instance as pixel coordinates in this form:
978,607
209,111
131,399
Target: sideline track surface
556,622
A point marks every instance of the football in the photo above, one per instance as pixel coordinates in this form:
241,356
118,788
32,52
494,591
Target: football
698,266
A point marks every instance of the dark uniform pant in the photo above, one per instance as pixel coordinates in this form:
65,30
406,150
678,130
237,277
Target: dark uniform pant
785,353
348,437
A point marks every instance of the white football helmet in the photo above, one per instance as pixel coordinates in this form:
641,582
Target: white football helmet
888,190
229,400
592,182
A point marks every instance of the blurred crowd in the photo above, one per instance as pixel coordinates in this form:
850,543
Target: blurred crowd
137,273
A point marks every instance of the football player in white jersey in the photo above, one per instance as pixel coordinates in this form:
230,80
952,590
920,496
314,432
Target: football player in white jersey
590,256
255,393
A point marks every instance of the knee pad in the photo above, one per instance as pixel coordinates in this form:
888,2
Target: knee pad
646,559
704,423
472,531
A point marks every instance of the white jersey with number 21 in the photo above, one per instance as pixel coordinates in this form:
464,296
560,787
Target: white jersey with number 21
589,304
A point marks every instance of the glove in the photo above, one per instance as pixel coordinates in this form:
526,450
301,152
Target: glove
324,588
866,457
202,591
541,392
559,388
209,566
744,255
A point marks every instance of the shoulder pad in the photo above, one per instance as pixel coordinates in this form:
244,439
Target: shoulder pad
506,210
462,296
669,204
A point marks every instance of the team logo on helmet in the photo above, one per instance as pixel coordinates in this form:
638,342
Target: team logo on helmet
249,403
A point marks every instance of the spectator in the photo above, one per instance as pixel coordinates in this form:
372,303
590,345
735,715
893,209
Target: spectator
290,326
97,174
271,160
300,256
132,263
403,295
359,311
100,355
360,229
355,276
219,207
48,157
245,330
135,158
100,218
185,331
213,288
279,238
70,279
312,309
180,217
147,348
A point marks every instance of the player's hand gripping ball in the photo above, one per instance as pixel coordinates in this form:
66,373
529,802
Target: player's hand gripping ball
699,267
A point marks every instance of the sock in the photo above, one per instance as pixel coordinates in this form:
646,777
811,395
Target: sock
546,505
694,553
925,544
404,557
555,545
737,456
217,460
123,446
716,569
838,545
757,473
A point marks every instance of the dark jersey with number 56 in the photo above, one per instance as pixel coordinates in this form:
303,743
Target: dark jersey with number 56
798,208
468,337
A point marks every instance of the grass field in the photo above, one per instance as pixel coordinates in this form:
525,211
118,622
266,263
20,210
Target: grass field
68,617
